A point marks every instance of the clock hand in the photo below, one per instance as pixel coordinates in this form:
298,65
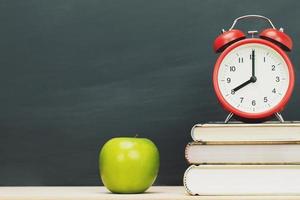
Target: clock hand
253,63
251,80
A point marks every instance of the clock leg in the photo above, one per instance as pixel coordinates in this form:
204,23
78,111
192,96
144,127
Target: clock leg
279,117
229,116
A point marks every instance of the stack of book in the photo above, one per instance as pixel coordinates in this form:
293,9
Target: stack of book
244,159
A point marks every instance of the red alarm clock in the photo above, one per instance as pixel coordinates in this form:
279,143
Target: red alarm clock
253,78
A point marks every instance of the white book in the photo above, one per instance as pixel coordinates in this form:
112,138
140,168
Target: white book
271,131
242,180
243,153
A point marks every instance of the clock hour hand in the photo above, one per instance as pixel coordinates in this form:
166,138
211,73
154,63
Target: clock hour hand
251,80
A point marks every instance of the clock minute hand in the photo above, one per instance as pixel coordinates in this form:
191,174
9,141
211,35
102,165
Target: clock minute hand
252,78
253,63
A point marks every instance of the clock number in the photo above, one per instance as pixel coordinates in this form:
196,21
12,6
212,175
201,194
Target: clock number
264,59
232,68
241,60
274,90
265,99
253,102
228,80
273,67
277,79
242,99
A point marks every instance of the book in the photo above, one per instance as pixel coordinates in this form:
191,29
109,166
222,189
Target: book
262,152
269,131
242,180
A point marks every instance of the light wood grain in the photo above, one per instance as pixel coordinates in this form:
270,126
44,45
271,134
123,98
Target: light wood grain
100,193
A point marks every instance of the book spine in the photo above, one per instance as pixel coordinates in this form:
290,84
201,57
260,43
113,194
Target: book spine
193,132
187,189
187,150
186,154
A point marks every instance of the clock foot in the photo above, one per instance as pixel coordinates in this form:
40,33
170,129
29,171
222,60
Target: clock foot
279,117
229,116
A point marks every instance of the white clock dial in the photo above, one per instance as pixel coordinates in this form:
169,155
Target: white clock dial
269,82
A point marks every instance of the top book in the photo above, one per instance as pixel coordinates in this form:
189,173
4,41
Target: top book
242,132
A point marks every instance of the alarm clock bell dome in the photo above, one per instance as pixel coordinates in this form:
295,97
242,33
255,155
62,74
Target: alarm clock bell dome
278,37
226,39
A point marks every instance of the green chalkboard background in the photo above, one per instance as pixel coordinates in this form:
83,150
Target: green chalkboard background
74,73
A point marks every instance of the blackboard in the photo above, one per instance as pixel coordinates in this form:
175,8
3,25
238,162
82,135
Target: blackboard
76,73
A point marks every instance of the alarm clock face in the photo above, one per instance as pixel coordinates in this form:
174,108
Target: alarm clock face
253,78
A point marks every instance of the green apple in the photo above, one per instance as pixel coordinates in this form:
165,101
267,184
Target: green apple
128,165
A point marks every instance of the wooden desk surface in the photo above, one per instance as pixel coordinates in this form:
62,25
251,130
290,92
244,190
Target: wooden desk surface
100,193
